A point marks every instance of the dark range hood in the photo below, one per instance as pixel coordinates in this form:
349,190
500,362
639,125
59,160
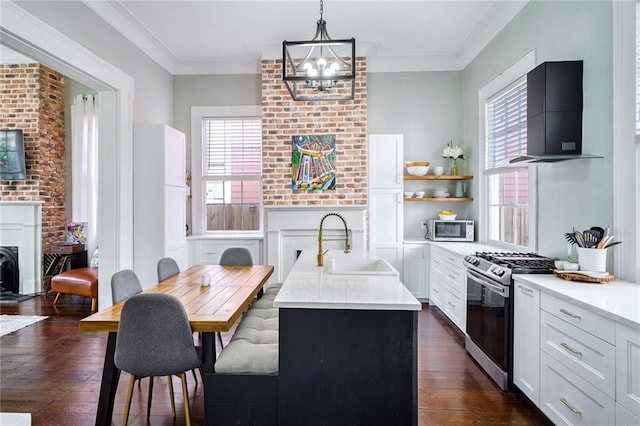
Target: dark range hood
554,113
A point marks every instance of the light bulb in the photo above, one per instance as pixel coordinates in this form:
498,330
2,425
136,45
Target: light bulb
322,63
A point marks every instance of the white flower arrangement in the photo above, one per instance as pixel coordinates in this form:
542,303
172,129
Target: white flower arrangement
453,152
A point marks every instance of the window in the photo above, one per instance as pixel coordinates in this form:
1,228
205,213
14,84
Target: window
507,189
227,169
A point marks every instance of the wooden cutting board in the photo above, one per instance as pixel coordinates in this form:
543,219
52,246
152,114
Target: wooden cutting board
577,276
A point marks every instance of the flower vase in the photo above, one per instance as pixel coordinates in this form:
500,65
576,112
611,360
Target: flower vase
454,167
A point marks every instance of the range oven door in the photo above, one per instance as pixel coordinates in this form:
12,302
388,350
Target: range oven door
489,318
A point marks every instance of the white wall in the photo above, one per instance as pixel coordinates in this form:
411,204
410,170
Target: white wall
573,193
211,90
153,97
427,108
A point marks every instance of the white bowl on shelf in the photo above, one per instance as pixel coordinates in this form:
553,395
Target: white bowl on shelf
408,194
420,194
447,216
418,168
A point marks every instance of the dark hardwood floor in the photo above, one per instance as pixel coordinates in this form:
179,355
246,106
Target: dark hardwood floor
53,371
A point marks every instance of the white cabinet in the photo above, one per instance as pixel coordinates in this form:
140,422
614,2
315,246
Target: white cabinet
587,363
385,161
526,342
447,275
385,197
628,369
416,263
159,205
204,251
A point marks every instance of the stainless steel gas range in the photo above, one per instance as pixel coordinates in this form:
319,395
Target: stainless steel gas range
489,280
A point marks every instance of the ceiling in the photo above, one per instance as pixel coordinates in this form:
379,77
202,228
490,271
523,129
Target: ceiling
221,37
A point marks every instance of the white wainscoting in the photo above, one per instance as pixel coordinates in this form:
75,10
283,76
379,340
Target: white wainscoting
289,230
21,226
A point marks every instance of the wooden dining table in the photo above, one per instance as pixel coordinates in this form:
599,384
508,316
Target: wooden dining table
212,308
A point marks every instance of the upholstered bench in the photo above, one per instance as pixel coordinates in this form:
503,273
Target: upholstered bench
81,282
245,383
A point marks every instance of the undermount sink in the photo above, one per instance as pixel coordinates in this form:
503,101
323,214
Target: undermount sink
350,266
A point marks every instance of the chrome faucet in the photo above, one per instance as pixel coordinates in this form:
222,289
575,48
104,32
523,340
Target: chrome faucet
347,247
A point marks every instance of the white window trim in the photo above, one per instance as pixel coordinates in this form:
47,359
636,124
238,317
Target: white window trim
507,77
198,113
626,144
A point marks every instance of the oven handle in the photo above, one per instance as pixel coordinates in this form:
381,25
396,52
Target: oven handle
497,288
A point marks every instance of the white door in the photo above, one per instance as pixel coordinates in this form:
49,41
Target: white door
414,277
385,161
385,208
526,341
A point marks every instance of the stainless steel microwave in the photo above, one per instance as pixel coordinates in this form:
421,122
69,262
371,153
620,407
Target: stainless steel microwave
450,230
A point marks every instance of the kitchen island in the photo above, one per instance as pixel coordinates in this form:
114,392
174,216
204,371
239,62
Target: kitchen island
348,345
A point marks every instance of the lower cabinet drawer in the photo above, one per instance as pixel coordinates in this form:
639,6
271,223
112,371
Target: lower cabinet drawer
588,356
582,318
568,399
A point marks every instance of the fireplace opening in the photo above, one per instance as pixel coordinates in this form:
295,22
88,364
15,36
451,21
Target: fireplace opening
9,272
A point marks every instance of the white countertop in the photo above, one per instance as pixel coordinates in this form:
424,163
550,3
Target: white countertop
462,248
311,287
617,300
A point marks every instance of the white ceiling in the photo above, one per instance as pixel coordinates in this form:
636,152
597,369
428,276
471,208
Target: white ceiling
218,37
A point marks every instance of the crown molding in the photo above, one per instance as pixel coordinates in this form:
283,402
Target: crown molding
116,15
491,24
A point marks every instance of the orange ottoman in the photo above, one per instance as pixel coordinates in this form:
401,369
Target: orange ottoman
81,282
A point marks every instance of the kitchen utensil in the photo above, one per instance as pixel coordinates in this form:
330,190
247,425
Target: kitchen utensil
590,238
579,238
571,238
599,230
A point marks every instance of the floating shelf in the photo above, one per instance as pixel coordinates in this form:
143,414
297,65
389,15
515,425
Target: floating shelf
431,177
440,199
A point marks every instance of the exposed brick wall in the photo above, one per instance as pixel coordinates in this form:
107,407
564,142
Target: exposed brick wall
32,99
283,118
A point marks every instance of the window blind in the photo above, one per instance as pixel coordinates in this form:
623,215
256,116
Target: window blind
507,124
233,148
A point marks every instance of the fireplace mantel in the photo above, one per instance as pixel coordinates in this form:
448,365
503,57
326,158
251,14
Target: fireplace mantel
21,226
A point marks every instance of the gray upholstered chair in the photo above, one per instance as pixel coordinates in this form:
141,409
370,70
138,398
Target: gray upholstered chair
236,256
167,267
155,339
124,284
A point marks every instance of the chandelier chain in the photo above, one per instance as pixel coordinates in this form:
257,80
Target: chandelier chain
321,9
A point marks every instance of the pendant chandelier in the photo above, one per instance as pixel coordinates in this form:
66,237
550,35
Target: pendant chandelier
320,69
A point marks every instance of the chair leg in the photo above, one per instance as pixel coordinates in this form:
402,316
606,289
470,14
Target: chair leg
185,396
201,373
173,403
125,416
94,304
56,299
194,376
149,396
220,340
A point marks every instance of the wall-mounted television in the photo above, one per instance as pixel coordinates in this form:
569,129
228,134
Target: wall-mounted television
12,164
